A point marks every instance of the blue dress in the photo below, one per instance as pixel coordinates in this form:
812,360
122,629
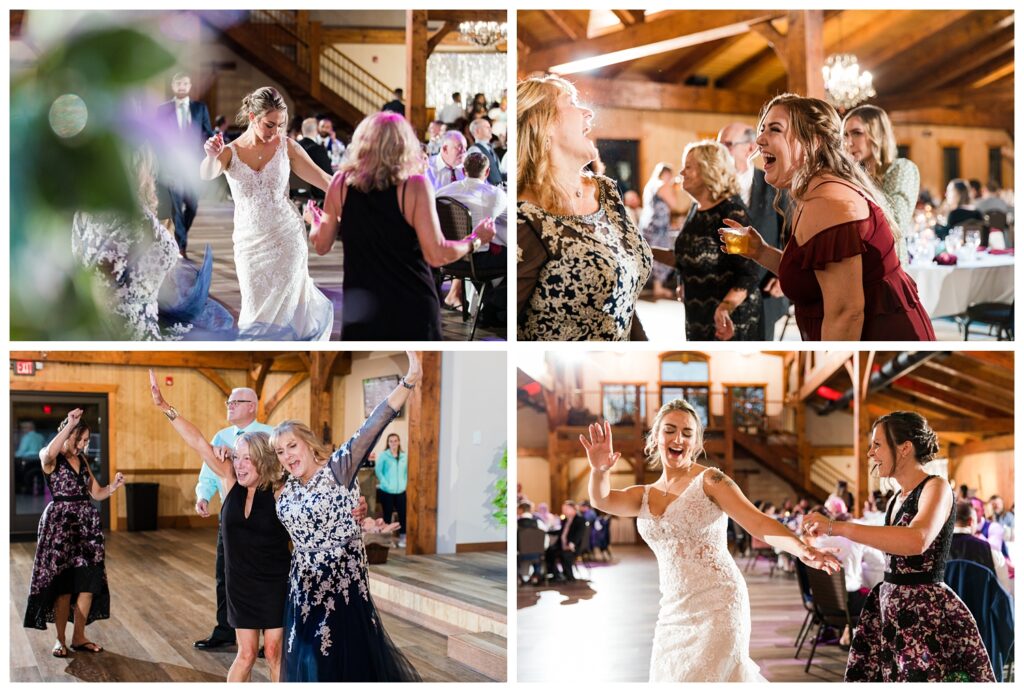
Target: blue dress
332,629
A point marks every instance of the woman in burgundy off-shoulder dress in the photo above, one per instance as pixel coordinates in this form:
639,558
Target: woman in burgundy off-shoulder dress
840,267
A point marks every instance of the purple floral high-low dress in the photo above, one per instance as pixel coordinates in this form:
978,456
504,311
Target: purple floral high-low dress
69,549
913,627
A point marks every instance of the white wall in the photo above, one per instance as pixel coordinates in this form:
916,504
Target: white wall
366,366
472,441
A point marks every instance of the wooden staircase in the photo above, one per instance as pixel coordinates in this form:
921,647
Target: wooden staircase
318,77
781,457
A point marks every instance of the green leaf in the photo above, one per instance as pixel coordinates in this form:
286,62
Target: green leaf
117,56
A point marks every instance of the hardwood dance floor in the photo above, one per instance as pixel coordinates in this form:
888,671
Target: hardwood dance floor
214,224
602,629
162,598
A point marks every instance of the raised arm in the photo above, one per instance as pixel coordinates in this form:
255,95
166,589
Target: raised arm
304,167
721,490
602,457
192,436
934,507
102,492
759,251
351,456
48,454
217,158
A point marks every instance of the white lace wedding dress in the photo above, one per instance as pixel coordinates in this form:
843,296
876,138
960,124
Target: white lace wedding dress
703,629
279,300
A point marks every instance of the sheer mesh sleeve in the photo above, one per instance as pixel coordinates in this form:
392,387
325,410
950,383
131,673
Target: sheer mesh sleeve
351,456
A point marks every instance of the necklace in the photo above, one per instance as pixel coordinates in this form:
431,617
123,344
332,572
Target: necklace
668,484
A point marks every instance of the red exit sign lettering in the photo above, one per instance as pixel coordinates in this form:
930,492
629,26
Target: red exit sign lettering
24,367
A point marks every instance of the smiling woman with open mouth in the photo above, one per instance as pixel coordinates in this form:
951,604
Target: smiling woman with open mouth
840,267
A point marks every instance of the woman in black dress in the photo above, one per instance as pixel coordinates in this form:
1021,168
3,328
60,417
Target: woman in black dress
383,207
69,563
720,291
913,627
256,552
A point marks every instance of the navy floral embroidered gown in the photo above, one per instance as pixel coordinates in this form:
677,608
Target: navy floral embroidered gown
332,631
913,627
69,549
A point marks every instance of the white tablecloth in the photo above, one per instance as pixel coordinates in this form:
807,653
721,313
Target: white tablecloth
947,291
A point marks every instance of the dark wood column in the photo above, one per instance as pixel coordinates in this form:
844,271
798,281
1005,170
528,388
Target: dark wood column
861,431
416,52
424,439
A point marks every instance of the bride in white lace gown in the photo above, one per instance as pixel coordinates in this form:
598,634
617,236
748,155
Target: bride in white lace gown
279,299
703,628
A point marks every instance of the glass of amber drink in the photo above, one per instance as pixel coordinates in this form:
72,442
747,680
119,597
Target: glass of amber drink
737,240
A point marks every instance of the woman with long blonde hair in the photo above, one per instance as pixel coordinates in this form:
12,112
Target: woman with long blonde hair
840,267
869,139
382,205
703,628
581,261
720,291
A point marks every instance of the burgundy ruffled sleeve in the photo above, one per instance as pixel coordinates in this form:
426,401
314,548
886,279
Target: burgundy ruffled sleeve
834,244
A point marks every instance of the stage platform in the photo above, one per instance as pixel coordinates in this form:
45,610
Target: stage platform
162,599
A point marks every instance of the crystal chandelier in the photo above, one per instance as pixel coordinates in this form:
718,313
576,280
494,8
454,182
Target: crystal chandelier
845,84
484,34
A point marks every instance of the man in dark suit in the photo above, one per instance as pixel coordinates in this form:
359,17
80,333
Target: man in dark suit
187,127
567,543
317,152
395,105
480,129
759,197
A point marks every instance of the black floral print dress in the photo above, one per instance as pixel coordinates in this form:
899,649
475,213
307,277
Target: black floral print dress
332,631
69,549
913,627
708,274
580,276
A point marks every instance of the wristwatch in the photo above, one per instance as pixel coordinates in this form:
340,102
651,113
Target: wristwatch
475,243
406,384
171,413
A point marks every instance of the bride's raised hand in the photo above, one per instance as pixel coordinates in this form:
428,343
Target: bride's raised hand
600,452
214,145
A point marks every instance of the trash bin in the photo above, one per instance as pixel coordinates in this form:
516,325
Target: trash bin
142,505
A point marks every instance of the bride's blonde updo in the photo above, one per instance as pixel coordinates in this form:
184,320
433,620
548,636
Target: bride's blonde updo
651,444
260,102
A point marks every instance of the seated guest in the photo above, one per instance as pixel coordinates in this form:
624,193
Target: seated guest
382,206
566,543
721,291
481,132
975,186
548,520
968,545
581,262
445,167
1001,516
525,520
840,269
483,200
990,200
959,207
869,139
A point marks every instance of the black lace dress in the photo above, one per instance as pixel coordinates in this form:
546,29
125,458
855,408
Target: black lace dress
913,627
69,550
708,274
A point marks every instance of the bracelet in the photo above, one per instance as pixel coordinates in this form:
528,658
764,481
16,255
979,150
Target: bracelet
474,243
171,413
406,384
729,307
829,527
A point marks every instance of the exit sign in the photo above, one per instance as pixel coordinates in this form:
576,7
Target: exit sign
24,367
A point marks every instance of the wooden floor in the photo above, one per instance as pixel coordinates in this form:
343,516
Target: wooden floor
606,625
162,598
213,225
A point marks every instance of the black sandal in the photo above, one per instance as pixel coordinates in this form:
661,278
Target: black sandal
86,648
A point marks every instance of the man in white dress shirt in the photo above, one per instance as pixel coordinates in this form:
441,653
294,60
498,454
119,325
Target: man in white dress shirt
483,200
446,166
453,111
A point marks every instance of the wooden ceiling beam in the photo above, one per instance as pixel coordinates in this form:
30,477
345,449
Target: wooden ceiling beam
834,361
963,117
881,404
566,22
951,71
1001,443
467,16
672,26
946,98
646,95
991,71
378,35
220,360
918,391
962,365
630,17
692,58
917,62
875,55
962,392
759,61
992,426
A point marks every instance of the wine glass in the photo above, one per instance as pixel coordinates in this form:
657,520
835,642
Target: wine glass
955,240
972,241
